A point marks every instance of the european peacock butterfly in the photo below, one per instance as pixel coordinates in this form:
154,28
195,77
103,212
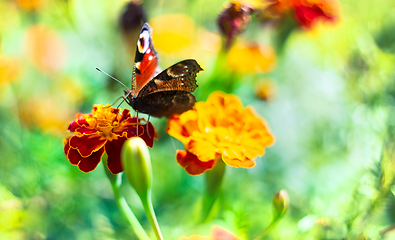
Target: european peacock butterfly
163,94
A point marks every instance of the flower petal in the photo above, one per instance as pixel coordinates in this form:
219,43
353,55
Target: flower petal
177,129
113,150
72,155
89,164
73,126
87,144
191,163
203,149
238,162
86,131
128,128
125,115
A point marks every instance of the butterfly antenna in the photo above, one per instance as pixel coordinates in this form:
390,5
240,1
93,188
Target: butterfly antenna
98,69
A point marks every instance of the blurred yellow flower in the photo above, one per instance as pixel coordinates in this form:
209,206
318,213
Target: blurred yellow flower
251,58
9,69
173,33
12,215
219,128
45,48
217,233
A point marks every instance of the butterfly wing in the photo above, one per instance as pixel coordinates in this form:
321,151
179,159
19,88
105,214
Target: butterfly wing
169,92
146,60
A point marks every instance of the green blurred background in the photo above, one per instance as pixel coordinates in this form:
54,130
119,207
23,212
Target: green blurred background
331,108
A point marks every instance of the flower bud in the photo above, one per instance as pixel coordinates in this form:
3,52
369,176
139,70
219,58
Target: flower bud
136,163
133,17
233,21
280,203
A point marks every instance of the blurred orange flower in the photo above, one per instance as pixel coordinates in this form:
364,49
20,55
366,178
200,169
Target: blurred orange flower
29,4
219,128
103,130
45,48
217,233
61,104
255,58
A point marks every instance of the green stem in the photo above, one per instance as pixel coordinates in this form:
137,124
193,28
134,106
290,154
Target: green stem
149,210
116,181
265,231
214,179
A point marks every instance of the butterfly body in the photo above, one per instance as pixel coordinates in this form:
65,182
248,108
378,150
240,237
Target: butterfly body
163,94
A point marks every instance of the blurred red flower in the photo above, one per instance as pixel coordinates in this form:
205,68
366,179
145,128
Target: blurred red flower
217,233
306,12
103,130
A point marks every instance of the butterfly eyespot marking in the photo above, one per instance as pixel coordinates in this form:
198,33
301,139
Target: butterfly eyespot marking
148,51
149,57
143,42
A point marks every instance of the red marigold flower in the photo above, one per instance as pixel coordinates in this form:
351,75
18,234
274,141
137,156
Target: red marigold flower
103,130
219,128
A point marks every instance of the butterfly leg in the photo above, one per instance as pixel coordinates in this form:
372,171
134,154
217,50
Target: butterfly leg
137,119
147,126
124,99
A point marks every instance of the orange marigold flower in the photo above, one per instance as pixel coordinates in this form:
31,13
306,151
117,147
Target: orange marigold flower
219,128
217,233
103,130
